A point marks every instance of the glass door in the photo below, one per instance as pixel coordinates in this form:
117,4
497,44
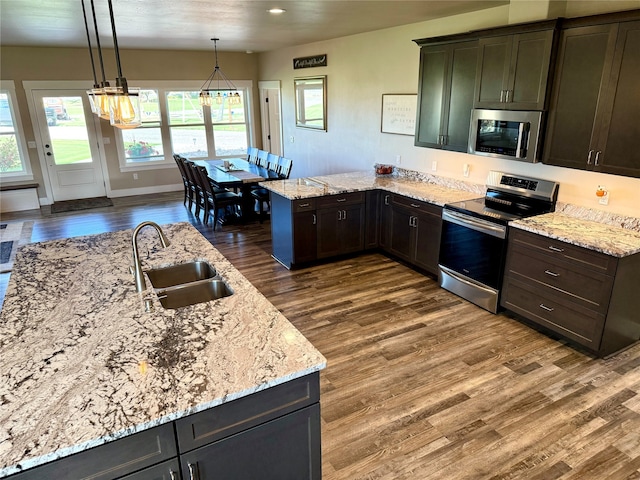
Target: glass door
70,144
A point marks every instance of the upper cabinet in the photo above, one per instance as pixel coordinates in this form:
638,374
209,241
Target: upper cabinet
594,119
443,117
513,70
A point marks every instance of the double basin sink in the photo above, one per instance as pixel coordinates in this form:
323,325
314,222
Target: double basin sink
187,284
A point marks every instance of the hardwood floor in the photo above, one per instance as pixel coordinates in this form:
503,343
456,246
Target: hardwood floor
421,384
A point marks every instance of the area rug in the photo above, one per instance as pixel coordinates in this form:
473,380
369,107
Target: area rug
12,236
81,204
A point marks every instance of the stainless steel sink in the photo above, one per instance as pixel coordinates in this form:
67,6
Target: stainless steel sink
192,293
180,274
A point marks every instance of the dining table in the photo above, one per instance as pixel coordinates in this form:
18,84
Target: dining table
240,175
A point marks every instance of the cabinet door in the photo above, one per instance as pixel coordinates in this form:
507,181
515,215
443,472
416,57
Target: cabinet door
431,99
427,241
351,229
287,448
402,233
372,219
385,220
304,237
620,142
583,64
328,233
492,72
529,70
459,100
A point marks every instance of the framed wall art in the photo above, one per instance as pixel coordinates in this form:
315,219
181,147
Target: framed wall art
399,113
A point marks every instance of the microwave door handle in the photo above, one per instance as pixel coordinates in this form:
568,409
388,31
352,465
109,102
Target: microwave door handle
521,147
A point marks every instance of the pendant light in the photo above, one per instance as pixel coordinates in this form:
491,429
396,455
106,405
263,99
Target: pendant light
120,104
207,95
124,101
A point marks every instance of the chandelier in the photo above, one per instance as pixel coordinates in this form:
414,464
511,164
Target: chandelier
209,95
120,104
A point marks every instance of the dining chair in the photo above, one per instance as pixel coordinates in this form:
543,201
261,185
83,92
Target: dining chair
185,180
215,201
262,158
197,197
273,166
262,196
252,154
284,169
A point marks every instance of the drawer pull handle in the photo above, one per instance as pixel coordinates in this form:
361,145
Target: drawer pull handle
303,205
415,206
314,219
553,274
172,475
386,199
556,249
544,307
193,472
341,200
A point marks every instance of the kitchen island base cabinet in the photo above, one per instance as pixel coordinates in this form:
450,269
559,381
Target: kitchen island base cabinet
293,230
585,296
273,434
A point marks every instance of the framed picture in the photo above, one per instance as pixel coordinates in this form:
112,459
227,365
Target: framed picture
399,113
311,102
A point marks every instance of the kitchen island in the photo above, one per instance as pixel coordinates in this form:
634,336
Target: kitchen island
83,364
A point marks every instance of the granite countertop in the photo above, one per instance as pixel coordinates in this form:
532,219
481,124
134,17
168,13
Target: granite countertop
82,363
428,188
595,235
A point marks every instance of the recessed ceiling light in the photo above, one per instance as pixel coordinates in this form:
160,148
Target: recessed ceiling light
276,10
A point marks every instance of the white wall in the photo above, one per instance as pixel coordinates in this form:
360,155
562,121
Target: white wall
363,67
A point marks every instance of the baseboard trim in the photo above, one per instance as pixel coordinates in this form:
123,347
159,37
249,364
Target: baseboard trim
145,190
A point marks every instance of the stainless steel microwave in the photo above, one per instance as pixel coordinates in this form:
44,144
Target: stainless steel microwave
509,134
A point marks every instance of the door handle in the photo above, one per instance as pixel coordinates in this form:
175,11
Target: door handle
314,219
172,475
501,96
597,160
193,472
589,157
339,215
386,199
506,97
344,214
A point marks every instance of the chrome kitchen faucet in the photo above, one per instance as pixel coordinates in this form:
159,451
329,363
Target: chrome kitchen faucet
137,272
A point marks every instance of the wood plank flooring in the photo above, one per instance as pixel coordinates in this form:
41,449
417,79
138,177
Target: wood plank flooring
421,384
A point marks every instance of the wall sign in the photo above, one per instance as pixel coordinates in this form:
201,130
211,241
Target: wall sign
399,113
307,62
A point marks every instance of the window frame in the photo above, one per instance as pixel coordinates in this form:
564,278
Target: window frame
26,174
162,87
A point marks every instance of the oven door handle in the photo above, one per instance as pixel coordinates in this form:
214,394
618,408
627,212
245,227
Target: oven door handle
473,223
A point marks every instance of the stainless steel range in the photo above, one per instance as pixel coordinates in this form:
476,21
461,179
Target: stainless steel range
474,234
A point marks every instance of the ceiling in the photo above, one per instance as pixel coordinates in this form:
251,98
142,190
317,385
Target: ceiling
241,25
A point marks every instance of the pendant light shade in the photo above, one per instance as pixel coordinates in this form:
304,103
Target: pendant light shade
212,91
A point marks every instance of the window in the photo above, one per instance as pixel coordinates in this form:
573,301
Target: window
13,159
173,121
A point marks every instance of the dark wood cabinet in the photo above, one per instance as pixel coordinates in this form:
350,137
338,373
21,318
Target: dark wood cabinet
415,228
445,98
341,224
293,230
513,71
593,119
372,219
385,220
582,295
273,434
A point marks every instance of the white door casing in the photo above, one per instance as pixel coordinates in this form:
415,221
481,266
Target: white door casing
270,113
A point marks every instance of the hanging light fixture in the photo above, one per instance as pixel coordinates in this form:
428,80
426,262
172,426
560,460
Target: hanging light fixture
97,95
120,104
209,95
124,101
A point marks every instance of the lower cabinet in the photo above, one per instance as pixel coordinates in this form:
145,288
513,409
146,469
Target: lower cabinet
341,224
414,232
585,296
273,434
293,230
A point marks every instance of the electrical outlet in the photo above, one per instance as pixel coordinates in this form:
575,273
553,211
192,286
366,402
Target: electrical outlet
135,176
291,139
434,165
398,159
465,169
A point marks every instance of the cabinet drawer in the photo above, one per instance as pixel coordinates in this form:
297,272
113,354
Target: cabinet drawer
590,288
111,460
304,205
417,205
572,253
573,321
229,418
343,199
